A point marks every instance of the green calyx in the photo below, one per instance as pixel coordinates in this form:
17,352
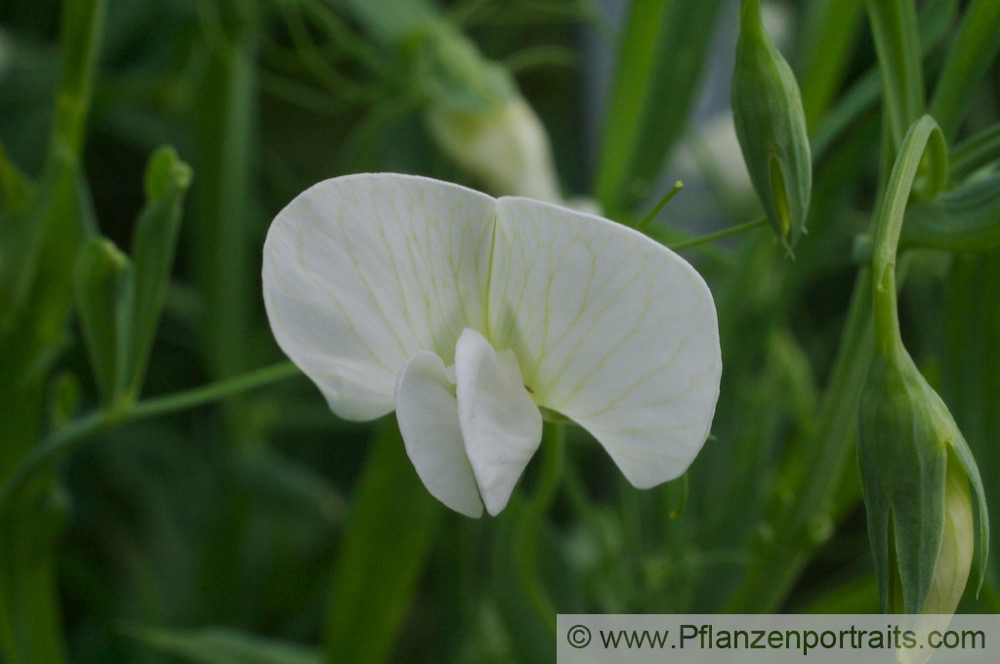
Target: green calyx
771,127
451,71
908,446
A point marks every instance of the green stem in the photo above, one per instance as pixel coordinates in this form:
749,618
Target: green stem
223,210
59,443
529,530
669,196
31,629
389,21
83,22
889,225
796,527
717,235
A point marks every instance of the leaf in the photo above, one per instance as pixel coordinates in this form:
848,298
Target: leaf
660,64
220,645
386,547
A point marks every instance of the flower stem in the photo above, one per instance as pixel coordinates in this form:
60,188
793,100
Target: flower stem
59,443
923,136
529,531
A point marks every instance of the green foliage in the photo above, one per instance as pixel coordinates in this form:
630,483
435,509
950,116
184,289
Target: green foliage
172,490
386,548
661,58
103,280
223,646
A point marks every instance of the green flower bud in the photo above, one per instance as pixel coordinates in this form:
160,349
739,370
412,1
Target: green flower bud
153,246
102,282
916,471
771,127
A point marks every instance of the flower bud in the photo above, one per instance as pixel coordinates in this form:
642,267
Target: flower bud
478,118
102,280
771,127
916,472
153,246
506,145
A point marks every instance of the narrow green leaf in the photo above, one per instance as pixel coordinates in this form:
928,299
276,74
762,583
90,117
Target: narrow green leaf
82,26
897,41
965,219
826,52
223,208
970,56
971,372
15,189
218,645
385,550
660,62
22,235
974,153
934,22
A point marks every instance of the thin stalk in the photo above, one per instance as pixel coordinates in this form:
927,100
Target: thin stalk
889,225
530,527
796,527
667,197
60,443
223,198
717,235
32,628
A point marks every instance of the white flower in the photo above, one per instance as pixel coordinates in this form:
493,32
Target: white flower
465,314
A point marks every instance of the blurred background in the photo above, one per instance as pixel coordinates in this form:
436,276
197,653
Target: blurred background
265,529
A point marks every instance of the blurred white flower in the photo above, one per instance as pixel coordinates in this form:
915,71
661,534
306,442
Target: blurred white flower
506,145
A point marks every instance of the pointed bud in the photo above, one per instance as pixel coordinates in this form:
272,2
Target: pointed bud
771,127
102,280
916,471
153,245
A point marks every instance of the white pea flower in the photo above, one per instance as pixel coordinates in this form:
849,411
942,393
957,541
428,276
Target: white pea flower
466,314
